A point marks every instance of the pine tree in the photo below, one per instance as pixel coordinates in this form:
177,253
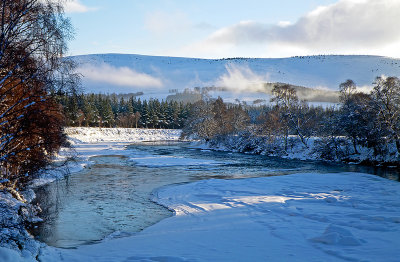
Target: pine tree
106,113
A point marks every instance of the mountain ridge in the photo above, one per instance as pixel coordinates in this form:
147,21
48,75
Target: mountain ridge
155,76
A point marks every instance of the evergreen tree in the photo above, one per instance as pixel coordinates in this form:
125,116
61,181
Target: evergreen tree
106,113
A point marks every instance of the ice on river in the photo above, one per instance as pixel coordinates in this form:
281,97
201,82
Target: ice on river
300,217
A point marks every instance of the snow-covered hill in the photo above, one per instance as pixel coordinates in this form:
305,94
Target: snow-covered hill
159,76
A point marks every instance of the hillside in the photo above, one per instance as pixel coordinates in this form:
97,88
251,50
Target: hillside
242,78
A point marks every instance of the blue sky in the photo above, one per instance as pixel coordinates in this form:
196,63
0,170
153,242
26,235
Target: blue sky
233,28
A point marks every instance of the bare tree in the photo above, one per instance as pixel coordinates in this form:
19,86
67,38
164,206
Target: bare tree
386,95
33,37
201,123
223,117
240,118
287,101
347,89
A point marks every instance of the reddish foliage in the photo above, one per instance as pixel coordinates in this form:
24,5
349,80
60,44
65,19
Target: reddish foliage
30,132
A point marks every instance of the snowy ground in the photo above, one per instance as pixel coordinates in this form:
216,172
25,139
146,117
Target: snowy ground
95,135
301,217
316,149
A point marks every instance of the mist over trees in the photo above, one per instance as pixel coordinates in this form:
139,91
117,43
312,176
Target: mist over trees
362,120
33,40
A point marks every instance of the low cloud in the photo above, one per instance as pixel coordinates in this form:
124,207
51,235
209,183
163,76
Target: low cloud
241,79
119,76
348,26
365,89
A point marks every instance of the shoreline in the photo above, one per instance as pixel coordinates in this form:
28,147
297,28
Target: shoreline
188,216
86,143
258,145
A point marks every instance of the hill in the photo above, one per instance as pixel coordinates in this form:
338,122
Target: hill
234,78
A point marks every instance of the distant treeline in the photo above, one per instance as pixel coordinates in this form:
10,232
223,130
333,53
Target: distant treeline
362,121
99,110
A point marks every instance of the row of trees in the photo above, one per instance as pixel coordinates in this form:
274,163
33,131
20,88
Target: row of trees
365,120
33,37
97,110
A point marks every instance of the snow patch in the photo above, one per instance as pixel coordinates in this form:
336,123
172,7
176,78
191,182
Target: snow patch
93,135
281,218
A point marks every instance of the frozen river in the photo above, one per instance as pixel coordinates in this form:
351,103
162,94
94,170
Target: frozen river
112,198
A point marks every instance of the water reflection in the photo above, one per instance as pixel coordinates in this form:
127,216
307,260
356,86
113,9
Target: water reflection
114,194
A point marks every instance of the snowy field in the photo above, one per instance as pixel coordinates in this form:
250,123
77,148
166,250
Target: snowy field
300,217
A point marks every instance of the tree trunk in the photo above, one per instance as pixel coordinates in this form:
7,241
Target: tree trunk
355,146
286,139
398,145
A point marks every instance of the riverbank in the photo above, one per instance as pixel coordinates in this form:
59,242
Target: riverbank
338,149
15,242
87,142
318,217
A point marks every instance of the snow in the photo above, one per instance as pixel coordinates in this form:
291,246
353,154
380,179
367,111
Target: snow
88,142
126,135
242,76
9,255
13,215
250,144
300,217
312,217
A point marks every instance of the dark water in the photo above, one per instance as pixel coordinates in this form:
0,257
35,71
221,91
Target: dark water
113,197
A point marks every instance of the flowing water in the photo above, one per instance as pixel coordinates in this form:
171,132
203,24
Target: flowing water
112,198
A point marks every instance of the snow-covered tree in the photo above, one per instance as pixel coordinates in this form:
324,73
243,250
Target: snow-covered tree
386,95
291,110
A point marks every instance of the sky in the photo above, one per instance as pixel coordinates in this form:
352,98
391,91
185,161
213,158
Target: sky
235,28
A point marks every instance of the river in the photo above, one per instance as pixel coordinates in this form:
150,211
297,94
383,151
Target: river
112,198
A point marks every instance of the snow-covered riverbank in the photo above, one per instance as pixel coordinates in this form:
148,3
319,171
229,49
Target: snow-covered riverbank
126,135
86,142
338,150
301,217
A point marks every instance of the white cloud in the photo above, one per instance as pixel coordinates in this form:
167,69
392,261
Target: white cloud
75,6
241,78
120,76
284,23
365,89
348,26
